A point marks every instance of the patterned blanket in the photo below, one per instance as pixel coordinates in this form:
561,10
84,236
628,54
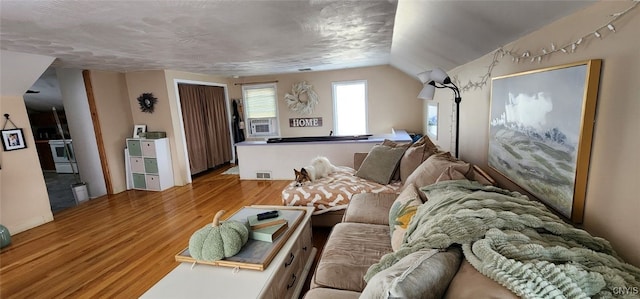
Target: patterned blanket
516,242
333,192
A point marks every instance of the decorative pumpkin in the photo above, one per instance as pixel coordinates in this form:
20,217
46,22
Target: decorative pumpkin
5,236
219,240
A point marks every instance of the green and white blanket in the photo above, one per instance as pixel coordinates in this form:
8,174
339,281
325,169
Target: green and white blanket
516,242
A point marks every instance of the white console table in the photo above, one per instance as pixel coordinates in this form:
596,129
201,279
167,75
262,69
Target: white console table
283,278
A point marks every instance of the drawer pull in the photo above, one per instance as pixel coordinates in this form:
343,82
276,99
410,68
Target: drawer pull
304,248
293,281
288,263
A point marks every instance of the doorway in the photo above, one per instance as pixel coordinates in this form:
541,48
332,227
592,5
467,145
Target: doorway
48,122
205,119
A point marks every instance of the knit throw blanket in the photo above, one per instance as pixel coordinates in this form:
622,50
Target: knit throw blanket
516,242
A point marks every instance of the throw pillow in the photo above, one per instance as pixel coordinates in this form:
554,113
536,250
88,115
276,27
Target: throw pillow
423,274
380,163
429,171
396,173
401,213
469,283
415,155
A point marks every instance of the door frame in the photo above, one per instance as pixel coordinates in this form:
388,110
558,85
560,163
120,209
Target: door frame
183,139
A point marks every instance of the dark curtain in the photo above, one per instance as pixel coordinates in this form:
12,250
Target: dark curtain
206,126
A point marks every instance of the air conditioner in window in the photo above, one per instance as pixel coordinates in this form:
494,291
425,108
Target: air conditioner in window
262,126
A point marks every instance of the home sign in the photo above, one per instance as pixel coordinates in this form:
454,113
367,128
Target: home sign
305,122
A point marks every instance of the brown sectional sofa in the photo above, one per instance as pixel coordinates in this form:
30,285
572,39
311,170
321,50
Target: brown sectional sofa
511,238
414,155
363,237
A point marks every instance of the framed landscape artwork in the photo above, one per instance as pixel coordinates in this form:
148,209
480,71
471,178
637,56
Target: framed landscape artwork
540,132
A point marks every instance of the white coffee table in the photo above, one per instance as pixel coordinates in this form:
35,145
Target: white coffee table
283,278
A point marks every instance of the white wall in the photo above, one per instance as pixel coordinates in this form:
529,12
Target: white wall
114,114
85,146
19,71
24,202
611,205
392,101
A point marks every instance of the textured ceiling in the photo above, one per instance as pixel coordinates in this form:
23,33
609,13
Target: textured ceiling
257,37
447,34
211,37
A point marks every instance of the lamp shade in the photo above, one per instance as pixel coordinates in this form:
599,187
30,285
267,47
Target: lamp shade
427,92
425,77
440,76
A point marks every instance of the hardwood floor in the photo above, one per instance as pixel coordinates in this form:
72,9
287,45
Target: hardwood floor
121,245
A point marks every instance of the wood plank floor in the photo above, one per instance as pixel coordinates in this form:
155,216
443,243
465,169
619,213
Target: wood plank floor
121,245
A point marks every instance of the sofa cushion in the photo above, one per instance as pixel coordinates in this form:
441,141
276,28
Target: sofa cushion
451,174
350,250
423,274
324,293
333,191
415,155
401,212
381,163
429,171
468,283
372,208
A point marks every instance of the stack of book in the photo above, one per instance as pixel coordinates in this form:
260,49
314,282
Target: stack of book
267,230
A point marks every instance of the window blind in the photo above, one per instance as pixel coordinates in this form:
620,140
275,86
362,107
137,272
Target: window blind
260,101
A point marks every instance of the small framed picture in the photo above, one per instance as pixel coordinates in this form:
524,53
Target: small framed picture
137,129
13,139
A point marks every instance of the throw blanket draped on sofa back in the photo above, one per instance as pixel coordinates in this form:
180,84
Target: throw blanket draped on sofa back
516,242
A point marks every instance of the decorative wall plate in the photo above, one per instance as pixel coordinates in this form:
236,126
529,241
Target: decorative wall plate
302,98
147,101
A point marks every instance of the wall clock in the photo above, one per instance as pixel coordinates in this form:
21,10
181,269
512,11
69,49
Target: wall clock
147,101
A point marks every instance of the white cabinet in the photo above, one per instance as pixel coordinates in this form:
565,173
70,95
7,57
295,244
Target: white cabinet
291,274
150,164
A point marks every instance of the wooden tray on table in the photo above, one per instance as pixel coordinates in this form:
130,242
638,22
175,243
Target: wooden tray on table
255,255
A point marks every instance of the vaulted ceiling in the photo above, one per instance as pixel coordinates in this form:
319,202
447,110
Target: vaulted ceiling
244,38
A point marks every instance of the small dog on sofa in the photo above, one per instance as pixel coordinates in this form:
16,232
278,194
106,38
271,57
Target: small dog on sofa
320,167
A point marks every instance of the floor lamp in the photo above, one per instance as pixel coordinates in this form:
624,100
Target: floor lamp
437,78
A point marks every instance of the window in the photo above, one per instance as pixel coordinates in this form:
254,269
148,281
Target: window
261,111
350,107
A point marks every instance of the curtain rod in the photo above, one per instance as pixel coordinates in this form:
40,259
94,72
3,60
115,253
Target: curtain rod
264,82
